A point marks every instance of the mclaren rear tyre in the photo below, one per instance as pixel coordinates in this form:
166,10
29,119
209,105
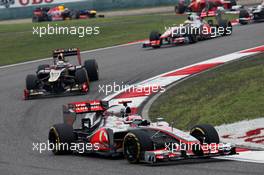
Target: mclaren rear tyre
155,36
92,69
135,144
61,137
32,82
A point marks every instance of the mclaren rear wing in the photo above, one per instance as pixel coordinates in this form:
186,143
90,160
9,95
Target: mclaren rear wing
72,109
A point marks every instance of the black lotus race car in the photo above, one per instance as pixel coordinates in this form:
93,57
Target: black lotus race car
62,77
93,127
255,14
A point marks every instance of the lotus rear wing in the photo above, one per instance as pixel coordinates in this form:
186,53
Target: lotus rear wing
67,53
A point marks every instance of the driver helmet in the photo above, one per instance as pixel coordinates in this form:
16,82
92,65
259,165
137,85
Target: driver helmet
61,8
259,7
61,57
190,18
220,8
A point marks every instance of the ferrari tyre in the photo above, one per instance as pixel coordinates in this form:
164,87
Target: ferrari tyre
135,144
32,82
61,137
92,69
81,76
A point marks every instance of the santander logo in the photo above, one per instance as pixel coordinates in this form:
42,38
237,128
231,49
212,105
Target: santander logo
33,2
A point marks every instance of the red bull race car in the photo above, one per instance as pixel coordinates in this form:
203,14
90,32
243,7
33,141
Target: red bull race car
93,127
60,13
193,30
62,77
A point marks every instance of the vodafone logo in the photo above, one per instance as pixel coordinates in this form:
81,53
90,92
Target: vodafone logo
34,2
103,136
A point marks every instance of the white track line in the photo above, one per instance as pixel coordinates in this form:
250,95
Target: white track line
225,58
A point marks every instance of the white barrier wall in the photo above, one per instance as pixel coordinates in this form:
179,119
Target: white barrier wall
28,3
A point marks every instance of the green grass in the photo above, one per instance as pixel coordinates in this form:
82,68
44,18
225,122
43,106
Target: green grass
18,44
227,94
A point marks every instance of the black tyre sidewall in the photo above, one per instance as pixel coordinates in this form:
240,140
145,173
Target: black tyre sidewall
64,134
225,24
154,36
180,9
81,76
209,132
32,82
143,141
92,69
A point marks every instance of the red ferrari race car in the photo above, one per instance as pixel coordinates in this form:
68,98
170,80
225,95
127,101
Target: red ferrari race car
60,13
93,127
194,29
62,77
200,5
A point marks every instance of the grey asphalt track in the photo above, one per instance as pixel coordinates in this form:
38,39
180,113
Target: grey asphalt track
25,122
